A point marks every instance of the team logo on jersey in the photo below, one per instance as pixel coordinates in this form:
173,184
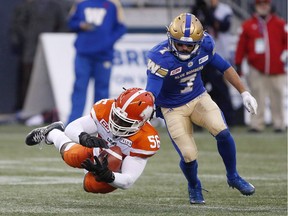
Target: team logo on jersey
203,59
152,66
190,64
105,125
176,71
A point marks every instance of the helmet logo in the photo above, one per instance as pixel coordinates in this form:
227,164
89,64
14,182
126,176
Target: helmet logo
146,113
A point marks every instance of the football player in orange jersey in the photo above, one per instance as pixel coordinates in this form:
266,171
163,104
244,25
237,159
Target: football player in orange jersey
123,122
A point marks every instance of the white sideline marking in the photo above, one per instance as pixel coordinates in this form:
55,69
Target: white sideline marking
223,177
36,180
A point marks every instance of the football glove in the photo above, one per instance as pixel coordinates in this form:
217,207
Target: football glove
249,102
89,141
99,170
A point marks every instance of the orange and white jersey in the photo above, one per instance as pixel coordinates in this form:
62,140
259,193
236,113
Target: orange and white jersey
145,143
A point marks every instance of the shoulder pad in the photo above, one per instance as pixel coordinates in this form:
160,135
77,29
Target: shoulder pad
208,43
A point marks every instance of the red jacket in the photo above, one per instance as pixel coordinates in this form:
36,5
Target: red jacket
273,34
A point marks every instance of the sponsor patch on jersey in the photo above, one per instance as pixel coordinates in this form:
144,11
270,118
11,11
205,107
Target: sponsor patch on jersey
126,142
203,59
105,125
176,71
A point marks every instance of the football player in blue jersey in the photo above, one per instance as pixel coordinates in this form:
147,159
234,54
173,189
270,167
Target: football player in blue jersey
98,24
174,78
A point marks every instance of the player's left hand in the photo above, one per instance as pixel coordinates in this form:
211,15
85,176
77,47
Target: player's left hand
249,102
89,141
100,170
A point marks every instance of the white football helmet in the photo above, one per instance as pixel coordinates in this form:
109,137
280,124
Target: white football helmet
185,29
130,111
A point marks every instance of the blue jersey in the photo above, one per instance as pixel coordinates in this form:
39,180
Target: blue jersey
174,82
105,16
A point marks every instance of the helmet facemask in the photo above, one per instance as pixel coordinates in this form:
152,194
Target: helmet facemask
130,111
121,125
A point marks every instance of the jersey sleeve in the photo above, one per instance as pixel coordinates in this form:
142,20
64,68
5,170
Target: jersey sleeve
157,69
154,84
131,170
75,18
219,63
156,65
101,109
146,143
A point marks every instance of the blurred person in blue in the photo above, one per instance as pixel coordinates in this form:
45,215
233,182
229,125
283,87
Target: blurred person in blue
98,24
174,77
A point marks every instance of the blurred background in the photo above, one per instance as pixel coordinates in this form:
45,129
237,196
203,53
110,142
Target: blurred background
141,16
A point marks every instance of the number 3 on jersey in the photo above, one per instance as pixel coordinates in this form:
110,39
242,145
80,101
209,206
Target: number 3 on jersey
189,82
155,141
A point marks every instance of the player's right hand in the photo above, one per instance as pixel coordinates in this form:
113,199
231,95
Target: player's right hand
89,141
249,102
100,170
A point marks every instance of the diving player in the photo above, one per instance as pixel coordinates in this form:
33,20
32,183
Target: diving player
123,122
174,78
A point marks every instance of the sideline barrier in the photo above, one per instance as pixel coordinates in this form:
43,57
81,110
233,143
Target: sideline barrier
52,78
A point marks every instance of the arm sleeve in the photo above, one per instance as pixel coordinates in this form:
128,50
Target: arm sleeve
219,63
132,168
154,84
85,123
119,27
74,18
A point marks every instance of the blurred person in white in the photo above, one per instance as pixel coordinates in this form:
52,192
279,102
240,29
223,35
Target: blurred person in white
263,41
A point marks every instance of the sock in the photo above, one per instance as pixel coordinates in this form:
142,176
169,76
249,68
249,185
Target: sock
190,171
58,138
227,150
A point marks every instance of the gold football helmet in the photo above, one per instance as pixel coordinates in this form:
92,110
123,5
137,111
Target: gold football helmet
185,29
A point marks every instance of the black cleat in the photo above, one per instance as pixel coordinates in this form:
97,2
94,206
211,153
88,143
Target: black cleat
37,135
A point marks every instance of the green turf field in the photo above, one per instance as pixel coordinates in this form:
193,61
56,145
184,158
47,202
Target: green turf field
35,181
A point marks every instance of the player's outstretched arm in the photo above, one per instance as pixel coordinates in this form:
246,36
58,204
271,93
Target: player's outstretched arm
131,170
249,101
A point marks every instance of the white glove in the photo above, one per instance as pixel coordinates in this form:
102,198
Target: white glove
249,102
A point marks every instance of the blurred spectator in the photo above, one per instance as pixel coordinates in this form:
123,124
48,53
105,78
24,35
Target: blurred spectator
263,40
216,19
30,19
98,24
